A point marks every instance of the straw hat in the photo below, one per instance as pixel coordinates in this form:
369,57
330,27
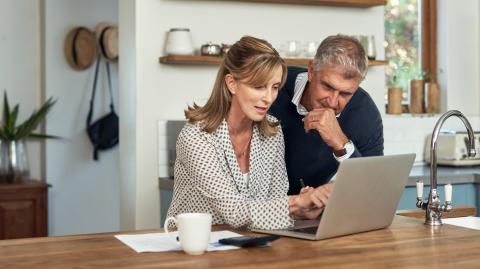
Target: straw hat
80,49
107,37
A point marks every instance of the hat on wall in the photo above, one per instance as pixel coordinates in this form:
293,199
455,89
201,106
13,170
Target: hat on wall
80,49
107,38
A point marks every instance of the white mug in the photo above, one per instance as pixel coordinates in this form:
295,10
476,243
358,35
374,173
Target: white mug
193,231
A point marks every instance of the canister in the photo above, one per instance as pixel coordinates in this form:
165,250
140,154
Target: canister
179,42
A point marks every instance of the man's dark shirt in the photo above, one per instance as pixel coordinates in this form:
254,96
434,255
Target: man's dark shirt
307,156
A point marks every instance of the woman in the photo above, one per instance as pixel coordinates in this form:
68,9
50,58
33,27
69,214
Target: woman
230,154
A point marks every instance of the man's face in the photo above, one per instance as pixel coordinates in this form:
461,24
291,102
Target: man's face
327,88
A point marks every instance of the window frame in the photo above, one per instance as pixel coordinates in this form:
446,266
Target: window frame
429,38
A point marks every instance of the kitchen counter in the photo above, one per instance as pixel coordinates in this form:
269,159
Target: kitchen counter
445,174
407,243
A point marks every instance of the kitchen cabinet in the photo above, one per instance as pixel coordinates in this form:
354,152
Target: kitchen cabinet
463,194
215,60
465,181
23,209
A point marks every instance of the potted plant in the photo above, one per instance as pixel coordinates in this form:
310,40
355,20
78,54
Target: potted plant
13,152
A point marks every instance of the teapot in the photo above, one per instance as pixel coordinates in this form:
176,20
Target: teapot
210,49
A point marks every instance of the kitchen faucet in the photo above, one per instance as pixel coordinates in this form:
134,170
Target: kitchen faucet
433,208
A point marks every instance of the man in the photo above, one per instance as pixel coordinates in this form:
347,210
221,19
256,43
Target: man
325,116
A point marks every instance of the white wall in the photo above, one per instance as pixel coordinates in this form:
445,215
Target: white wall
20,68
128,101
163,91
84,196
459,66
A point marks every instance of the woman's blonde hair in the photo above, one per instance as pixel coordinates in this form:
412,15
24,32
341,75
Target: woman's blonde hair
250,59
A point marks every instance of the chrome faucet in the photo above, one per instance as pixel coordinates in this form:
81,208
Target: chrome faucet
433,207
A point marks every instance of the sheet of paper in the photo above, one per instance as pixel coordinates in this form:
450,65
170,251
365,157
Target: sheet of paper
160,242
466,222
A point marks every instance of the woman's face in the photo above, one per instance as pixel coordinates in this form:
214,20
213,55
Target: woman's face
254,101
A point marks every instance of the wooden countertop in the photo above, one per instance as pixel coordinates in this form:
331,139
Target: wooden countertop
406,243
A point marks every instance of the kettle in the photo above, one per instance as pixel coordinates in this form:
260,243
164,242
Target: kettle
210,49
179,42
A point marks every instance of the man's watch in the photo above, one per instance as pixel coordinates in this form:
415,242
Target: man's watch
348,147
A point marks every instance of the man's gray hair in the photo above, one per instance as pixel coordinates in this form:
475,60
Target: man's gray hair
344,51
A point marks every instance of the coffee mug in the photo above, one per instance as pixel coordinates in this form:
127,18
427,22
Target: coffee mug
193,231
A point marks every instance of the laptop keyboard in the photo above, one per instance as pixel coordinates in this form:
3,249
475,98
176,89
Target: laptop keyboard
306,230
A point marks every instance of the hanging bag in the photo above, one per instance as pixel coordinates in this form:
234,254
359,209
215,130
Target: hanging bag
103,133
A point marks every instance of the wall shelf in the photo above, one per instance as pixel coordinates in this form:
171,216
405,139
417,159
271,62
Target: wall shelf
346,3
215,60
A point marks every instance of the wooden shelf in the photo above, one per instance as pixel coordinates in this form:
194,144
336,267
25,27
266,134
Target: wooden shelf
214,60
377,62
345,3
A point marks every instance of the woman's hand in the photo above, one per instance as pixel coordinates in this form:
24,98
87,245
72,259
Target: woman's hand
301,202
311,213
310,202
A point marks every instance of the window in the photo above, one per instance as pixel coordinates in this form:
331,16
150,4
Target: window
410,42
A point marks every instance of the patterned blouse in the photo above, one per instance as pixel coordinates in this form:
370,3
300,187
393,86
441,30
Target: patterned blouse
208,179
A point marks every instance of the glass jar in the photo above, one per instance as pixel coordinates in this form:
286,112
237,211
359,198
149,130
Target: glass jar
13,161
293,49
311,49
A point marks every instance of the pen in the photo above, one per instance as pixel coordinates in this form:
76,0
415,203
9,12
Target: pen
302,184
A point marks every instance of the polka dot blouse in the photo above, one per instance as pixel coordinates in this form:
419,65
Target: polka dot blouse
208,179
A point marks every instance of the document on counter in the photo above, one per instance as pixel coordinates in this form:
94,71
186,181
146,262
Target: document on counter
160,242
466,222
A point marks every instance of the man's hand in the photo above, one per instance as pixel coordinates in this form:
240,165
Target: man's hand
325,122
319,196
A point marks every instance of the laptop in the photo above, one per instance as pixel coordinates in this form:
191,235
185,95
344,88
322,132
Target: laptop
365,197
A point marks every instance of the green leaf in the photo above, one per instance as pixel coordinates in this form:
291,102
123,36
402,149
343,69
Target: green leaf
3,136
12,119
26,128
8,128
6,108
43,136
